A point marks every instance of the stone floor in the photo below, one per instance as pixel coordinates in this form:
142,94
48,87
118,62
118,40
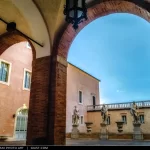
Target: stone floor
88,142
107,143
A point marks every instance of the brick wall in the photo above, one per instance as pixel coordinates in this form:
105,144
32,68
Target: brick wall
38,112
57,109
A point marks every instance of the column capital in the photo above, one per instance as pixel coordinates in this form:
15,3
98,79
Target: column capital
61,60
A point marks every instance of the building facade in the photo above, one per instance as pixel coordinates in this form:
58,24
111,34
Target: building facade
82,90
15,81
50,30
120,112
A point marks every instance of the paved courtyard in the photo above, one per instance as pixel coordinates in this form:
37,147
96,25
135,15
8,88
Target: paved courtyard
89,142
107,142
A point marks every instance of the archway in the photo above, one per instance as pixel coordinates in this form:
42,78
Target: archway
57,123
13,50
21,120
38,103
10,38
37,29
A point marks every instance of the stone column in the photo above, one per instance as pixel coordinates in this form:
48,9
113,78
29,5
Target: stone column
103,131
137,132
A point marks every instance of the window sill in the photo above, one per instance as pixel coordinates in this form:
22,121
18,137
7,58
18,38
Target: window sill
25,89
5,83
80,103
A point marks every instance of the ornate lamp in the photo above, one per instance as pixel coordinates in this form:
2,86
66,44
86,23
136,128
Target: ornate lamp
75,11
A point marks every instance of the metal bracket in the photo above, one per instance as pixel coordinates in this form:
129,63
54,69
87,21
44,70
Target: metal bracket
12,27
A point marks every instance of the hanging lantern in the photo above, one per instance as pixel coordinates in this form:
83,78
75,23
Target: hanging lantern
75,11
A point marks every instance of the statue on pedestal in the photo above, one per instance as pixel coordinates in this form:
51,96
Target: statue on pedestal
104,128
76,116
104,113
134,112
75,124
137,132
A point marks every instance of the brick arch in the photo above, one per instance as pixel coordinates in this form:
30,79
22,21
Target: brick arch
97,11
39,93
10,38
57,109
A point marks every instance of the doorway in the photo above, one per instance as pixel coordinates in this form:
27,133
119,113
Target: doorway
21,124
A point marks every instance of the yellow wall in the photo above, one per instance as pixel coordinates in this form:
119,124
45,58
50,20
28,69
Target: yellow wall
116,115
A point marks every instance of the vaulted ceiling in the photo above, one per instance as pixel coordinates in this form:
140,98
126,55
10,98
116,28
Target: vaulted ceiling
41,20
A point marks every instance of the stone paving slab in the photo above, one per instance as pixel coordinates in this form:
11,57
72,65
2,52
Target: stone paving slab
87,142
13,143
91,142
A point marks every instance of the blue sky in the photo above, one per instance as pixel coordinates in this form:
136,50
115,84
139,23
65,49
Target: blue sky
116,50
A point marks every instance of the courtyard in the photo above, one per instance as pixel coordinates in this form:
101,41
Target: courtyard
88,142
38,94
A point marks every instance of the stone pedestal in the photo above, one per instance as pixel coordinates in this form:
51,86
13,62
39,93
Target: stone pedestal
75,132
137,133
104,131
89,126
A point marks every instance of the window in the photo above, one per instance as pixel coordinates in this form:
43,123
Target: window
94,102
108,120
80,97
124,119
141,118
28,45
81,120
27,79
4,71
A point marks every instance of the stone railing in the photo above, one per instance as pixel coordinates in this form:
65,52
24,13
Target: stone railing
127,105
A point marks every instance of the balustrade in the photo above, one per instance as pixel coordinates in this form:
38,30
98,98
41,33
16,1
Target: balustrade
126,105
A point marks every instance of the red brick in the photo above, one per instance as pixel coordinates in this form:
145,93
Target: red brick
58,84
99,10
39,100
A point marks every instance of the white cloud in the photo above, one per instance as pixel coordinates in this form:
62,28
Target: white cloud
120,91
104,101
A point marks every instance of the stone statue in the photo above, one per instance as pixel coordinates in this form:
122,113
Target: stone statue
75,116
134,112
104,113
